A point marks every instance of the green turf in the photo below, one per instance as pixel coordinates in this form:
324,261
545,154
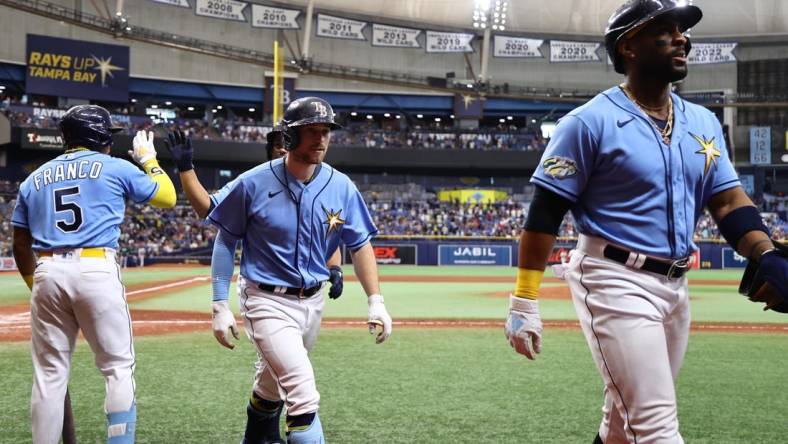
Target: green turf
442,386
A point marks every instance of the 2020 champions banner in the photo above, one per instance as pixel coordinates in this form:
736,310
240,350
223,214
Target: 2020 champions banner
76,68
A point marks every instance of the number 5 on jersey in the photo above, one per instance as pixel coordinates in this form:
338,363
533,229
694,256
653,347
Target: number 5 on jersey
61,206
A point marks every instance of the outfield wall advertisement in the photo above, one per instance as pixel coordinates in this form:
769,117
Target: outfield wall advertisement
469,254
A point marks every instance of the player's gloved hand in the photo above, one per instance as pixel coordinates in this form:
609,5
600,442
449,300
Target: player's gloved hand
180,148
774,268
143,147
524,326
378,317
336,280
223,320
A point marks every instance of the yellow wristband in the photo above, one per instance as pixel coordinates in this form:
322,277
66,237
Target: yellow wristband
152,167
528,282
28,280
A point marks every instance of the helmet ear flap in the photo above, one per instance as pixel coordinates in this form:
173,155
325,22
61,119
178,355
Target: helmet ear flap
290,136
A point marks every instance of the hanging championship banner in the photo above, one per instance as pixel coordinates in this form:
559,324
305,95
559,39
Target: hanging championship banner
271,17
568,51
384,35
708,53
516,47
339,28
181,3
449,42
221,9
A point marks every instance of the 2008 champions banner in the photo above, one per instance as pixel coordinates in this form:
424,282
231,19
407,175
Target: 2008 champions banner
221,9
76,68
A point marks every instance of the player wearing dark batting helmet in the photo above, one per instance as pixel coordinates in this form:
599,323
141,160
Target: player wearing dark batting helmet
66,227
290,213
637,165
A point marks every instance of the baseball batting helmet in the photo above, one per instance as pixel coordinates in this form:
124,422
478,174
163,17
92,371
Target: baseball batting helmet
636,13
306,111
269,146
89,126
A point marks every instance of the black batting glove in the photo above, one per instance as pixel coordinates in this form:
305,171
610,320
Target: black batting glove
335,277
180,148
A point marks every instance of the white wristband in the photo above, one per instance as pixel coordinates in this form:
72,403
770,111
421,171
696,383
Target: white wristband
375,298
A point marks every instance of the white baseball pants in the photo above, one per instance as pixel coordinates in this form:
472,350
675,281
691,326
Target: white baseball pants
636,324
284,329
73,293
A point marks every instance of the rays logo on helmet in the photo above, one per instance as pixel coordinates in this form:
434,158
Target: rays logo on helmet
559,167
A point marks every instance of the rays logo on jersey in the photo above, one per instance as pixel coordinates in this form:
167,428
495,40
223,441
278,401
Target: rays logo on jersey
333,220
559,167
707,149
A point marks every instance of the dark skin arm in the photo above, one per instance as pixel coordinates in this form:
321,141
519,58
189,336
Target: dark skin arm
23,251
535,249
752,244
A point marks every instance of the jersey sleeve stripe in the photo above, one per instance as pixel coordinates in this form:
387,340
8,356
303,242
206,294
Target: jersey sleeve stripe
541,182
147,199
219,224
20,224
366,240
726,185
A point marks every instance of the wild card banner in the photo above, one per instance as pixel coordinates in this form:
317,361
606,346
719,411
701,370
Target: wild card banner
76,68
708,53
385,35
449,42
339,28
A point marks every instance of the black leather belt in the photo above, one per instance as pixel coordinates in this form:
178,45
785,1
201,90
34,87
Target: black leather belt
291,291
672,270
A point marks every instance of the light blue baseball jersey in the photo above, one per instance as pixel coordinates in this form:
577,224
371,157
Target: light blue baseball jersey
222,192
78,200
628,186
288,229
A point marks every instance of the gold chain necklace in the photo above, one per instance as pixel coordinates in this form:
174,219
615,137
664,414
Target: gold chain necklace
668,130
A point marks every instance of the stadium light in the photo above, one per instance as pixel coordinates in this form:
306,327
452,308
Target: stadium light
251,110
218,106
353,113
387,115
132,100
501,120
191,108
509,117
451,116
213,110
168,103
398,116
437,119
484,11
419,116
369,116
155,106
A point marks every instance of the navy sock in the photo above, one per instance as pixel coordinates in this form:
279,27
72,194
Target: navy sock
262,420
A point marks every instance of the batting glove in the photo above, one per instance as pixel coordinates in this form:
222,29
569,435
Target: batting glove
180,148
143,147
378,317
336,280
223,320
524,326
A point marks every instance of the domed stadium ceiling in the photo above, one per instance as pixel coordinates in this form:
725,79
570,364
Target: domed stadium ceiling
581,17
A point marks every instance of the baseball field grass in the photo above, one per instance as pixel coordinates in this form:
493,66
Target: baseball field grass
439,385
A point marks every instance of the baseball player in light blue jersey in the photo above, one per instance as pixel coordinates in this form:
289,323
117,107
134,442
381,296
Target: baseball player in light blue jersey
68,213
636,165
180,148
290,214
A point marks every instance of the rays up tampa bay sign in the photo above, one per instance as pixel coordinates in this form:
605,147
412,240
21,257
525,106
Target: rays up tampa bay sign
76,68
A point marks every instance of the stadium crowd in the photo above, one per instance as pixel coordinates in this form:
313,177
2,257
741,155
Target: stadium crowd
244,129
151,232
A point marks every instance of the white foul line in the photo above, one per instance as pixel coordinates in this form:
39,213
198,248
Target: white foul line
170,285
